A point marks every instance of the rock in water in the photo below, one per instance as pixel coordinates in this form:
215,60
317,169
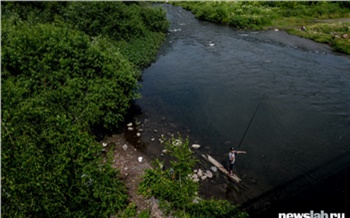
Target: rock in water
196,146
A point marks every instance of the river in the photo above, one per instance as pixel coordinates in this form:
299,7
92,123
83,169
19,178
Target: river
207,83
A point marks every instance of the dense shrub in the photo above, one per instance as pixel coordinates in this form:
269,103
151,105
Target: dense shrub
56,84
78,76
60,85
116,19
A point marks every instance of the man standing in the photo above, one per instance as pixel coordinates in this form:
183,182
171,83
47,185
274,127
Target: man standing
232,158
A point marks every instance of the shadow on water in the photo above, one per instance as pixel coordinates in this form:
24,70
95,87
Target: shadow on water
329,192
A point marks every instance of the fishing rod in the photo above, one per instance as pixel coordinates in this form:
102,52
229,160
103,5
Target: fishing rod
250,122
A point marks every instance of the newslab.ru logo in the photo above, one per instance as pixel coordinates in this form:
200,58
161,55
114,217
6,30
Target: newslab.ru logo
312,214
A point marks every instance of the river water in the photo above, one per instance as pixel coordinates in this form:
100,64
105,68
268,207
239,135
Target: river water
207,83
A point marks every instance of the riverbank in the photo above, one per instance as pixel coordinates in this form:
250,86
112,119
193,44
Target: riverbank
127,159
322,22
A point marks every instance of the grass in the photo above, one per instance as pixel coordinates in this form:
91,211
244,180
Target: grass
334,34
320,19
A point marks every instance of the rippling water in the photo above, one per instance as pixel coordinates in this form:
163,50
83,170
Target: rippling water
300,135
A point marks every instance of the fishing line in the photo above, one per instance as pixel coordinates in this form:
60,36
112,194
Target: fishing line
250,122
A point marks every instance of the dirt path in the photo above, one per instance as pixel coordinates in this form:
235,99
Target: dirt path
126,160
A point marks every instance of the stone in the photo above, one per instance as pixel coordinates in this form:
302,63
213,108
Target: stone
194,176
104,144
196,146
129,125
276,30
195,180
165,151
152,139
214,169
203,177
200,173
125,147
195,171
138,134
196,200
208,174
130,128
177,142
345,36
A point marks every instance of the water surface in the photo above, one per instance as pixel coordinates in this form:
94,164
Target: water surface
300,136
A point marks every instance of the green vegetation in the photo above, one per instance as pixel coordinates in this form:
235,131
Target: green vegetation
65,77
176,191
335,34
291,16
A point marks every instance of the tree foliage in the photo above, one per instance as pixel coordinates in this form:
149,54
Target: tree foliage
60,84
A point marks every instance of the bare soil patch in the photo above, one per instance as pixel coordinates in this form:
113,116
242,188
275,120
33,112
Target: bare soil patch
126,160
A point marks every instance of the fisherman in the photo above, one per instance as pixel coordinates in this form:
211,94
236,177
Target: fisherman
232,158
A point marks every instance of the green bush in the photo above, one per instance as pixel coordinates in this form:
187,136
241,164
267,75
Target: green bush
56,86
52,168
60,85
79,77
214,209
116,19
172,185
175,189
